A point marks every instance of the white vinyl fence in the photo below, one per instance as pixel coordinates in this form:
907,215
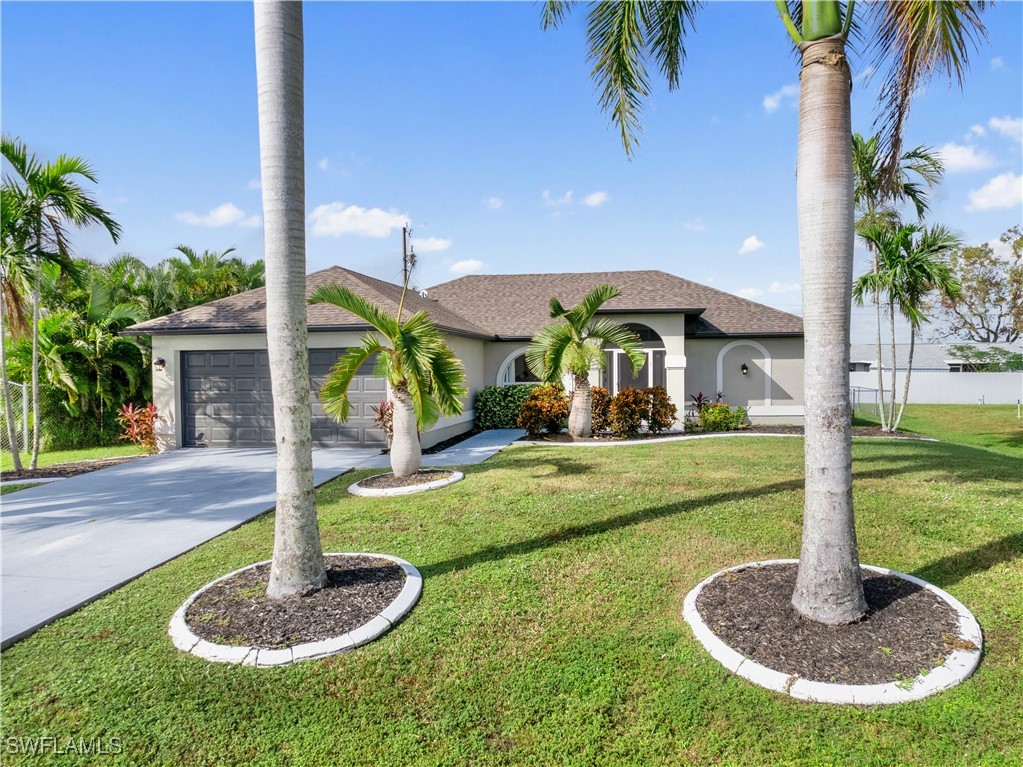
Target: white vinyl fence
941,388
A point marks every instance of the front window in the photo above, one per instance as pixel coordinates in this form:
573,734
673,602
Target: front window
517,372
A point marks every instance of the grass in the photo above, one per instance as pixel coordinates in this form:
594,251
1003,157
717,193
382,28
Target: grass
8,489
993,427
67,456
549,631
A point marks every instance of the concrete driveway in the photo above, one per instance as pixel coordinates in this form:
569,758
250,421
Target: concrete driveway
69,542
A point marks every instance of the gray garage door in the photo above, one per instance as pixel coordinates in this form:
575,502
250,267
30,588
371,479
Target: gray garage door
227,401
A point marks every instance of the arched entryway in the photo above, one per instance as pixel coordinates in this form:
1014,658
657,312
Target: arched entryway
617,373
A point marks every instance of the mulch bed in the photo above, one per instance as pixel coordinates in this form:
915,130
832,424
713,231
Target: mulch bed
382,481
566,437
906,631
237,612
72,469
857,431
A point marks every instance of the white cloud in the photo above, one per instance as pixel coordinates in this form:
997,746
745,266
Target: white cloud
252,222
1004,191
554,202
494,203
1011,127
963,157
1001,249
786,93
324,164
865,74
430,244
783,287
694,225
997,63
255,184
336,219
222,215
750,244
595,199
975,130
468,266
749,292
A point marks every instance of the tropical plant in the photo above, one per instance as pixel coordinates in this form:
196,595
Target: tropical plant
424,376
992,360
575,345
139,424
911,41
50,199
662,410
297,566
600,398
545,410
875,201
497,407
628,409
719,416
912,262
383,419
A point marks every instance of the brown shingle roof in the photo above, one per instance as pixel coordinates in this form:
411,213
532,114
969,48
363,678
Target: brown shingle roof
516,305
246,312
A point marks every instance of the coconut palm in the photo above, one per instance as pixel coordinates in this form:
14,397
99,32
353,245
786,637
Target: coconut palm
911,40
875,202
424,376
575,345
912,262
51,199
297,566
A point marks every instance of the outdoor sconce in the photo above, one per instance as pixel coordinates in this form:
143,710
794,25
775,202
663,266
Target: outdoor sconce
744,368
160,363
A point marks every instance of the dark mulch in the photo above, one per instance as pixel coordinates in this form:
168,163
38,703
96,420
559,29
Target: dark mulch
237,612
566,437
388,480
857,431
907,629
72,469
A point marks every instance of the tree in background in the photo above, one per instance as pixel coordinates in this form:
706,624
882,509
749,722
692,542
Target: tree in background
911,41
989,308
911,263
875,201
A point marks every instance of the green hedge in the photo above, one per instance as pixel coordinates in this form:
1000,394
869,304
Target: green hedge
497,407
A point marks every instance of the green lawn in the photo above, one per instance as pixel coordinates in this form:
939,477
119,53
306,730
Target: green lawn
994,427
549,631
65,456
8,489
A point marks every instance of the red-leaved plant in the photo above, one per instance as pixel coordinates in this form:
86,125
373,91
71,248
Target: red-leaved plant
139,424
383,419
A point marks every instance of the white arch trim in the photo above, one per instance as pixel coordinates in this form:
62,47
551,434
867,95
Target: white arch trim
768,379
502,369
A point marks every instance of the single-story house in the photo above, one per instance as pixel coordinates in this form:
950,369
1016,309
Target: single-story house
211,377
927,357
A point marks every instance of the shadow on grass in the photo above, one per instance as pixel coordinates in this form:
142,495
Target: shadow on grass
949,570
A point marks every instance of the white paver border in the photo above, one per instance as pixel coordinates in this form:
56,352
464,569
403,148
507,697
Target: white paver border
958,665
422,487
187,641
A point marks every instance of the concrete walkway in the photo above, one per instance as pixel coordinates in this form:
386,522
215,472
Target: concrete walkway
67,543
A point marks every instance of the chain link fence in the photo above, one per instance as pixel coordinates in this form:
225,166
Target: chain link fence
864,402
21,413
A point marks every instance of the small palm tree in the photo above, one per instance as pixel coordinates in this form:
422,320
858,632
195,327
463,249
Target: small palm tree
424,376
575,345
908,268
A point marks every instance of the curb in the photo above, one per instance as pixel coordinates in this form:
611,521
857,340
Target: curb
958,665
186,641
422,487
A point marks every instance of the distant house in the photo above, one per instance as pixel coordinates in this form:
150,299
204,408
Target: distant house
211,375
939,357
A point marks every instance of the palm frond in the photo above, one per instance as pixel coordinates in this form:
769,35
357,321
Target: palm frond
342,297
668,23
554,13
581,314
334,392
546,352
607,331
448,378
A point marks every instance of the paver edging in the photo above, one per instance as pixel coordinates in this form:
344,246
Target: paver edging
381,492
958,665
185,640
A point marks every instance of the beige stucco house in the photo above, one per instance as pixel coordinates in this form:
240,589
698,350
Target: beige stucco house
211,378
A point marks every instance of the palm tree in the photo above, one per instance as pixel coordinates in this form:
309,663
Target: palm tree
912,39
10,210
297,566
875,204
424,377
575,345
908,269
51,198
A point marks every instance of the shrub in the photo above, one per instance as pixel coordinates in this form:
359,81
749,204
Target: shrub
545,410
720,417
383,419
629,408
497,407
601,405
139,425
662,412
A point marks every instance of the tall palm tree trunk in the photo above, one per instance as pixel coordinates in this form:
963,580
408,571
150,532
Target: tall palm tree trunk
880,372
297,566
829,587
894,359
580,416
406,452
12,436
36,297
909,372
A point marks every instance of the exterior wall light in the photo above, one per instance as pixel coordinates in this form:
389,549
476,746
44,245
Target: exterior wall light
744,368
160,363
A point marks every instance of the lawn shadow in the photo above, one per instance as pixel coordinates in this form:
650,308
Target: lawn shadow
949,570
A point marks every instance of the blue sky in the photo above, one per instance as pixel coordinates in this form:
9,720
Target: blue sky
481,130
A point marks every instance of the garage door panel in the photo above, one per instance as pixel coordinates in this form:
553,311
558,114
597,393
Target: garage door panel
227,400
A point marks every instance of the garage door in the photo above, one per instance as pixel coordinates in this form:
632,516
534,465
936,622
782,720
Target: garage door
227,401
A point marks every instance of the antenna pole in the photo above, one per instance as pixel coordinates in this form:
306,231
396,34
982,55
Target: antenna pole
408,261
